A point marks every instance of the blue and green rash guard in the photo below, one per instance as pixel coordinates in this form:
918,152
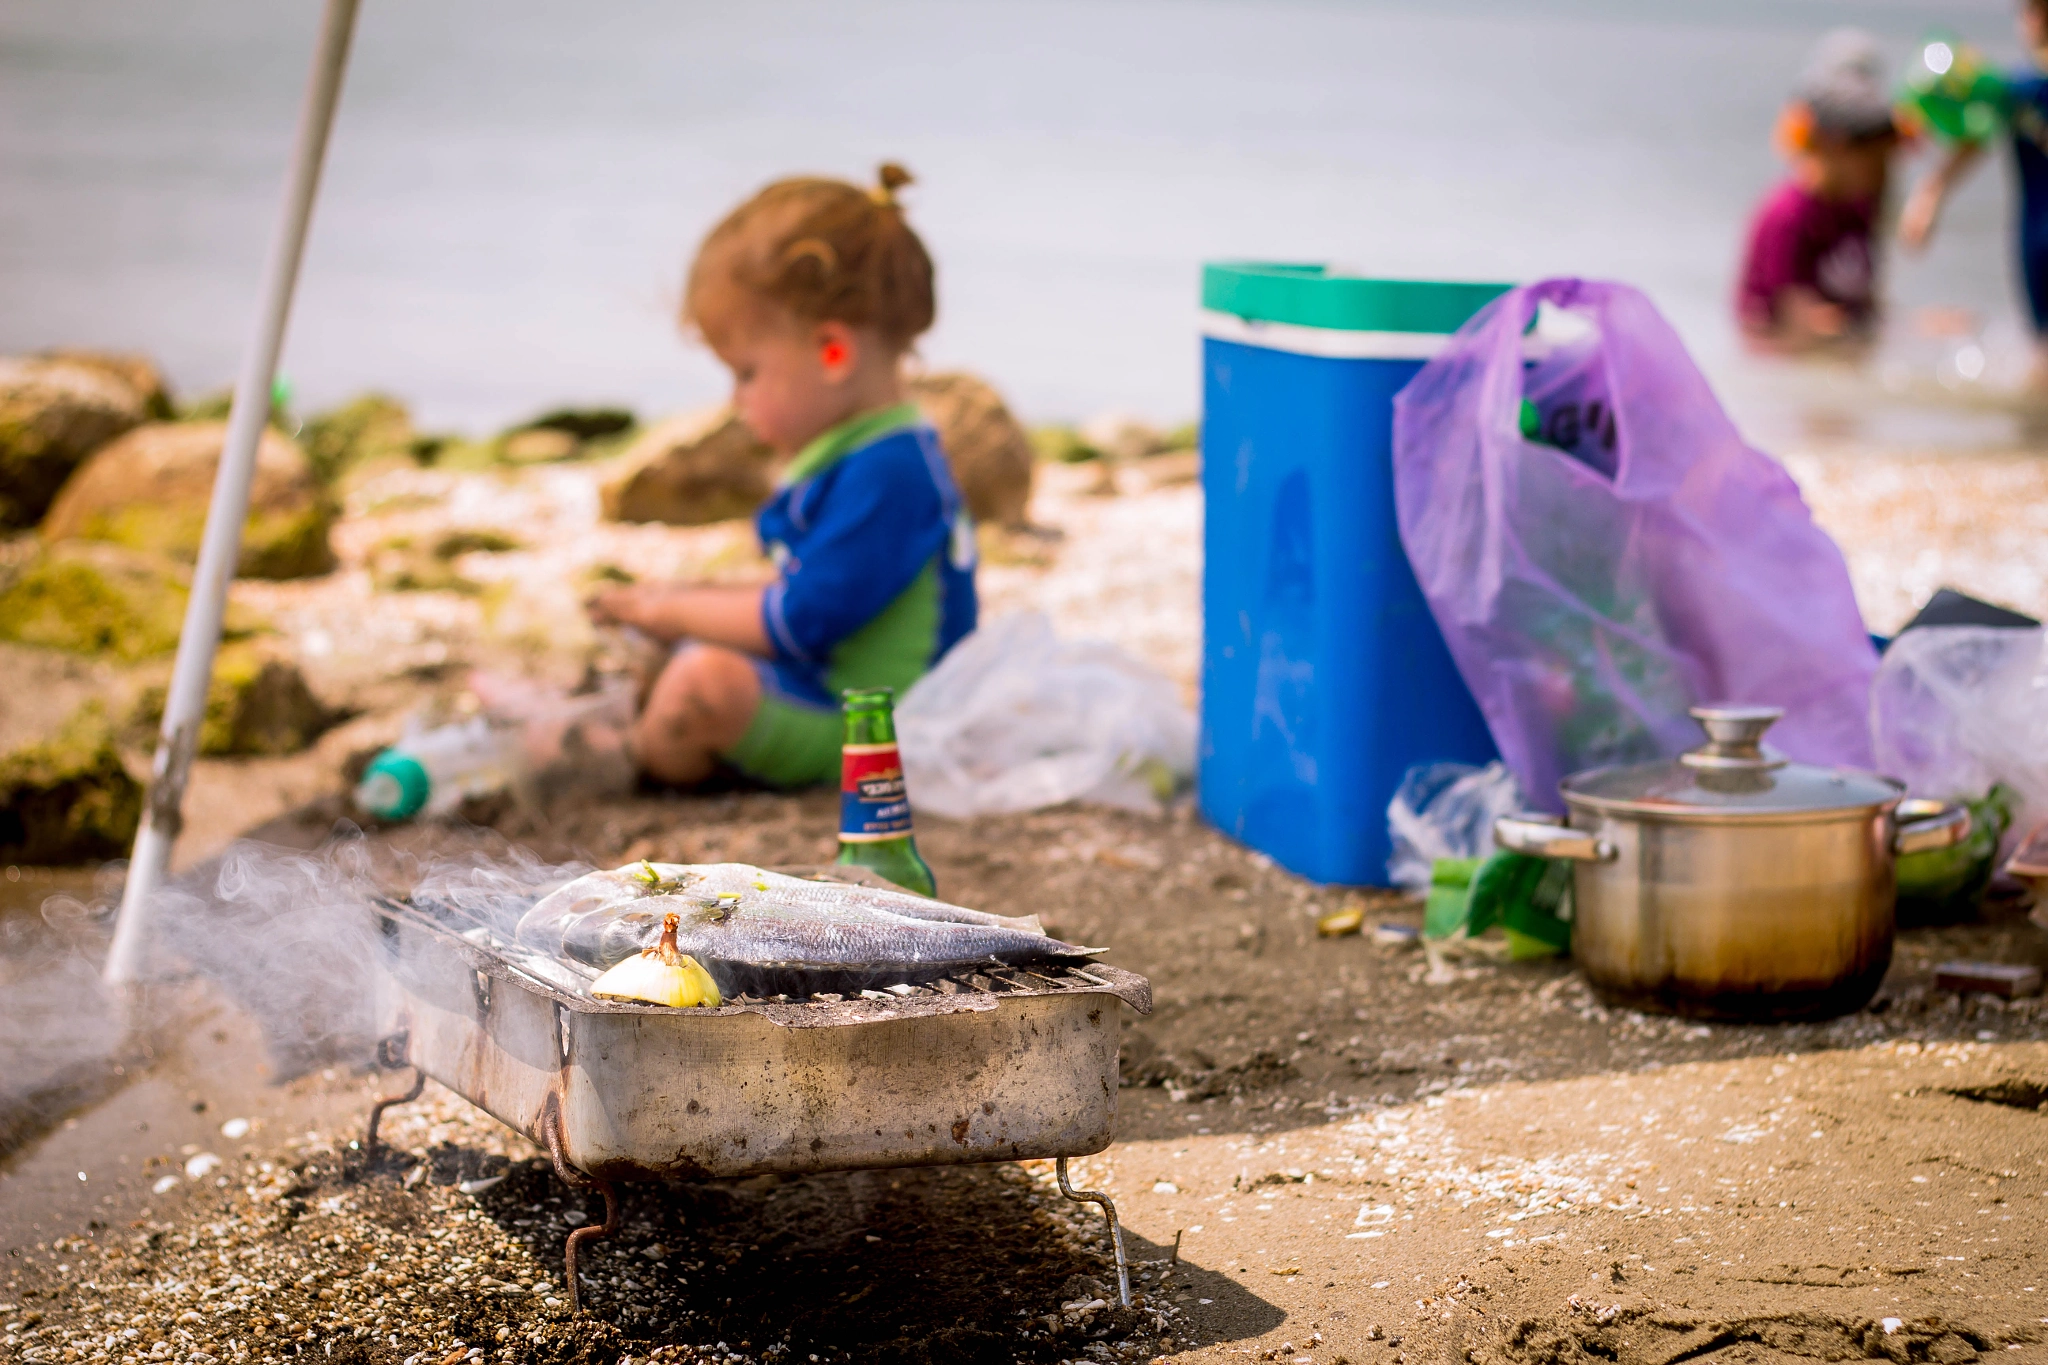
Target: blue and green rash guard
876,557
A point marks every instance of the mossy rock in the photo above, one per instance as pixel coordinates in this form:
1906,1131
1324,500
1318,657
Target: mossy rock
369,429
90,598
460,454
95,599
403,564
68,799
53,414
988,451
585,424
150,491
1063,445
138,372
564,434
690,470
475,540
538,445
258,703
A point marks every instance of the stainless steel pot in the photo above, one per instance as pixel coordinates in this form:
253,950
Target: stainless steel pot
1732,883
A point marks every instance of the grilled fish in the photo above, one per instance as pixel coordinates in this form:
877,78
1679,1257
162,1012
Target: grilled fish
761,931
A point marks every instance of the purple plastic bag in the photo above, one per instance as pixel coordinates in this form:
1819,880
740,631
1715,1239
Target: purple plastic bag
1634,560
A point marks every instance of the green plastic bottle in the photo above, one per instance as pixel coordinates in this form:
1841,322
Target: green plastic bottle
874,806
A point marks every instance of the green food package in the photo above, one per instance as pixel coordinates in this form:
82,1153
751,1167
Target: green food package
1450,892
1946,885
1529,898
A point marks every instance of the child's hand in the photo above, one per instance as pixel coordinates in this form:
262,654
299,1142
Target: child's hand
621,606
1923,206
1917,218
1809,317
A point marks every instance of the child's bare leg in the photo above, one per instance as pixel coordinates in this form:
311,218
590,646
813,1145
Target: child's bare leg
699,707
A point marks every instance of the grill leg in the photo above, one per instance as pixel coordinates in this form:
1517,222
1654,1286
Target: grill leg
390,1056
551,1128
1116,1233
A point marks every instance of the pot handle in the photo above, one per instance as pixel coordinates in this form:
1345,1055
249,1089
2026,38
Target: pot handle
1928,825
1542,839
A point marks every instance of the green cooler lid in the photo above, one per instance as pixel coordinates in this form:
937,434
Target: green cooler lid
1313,296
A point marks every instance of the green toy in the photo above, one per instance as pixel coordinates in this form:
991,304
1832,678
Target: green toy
1951,92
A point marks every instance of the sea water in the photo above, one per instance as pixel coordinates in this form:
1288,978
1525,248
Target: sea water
514,187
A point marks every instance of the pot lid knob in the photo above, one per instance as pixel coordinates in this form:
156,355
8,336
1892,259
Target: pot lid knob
1735,736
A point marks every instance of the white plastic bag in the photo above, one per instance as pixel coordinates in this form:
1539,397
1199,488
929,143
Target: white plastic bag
1955,709
1446,810
1015,719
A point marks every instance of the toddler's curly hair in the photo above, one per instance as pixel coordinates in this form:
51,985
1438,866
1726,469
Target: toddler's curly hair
826,251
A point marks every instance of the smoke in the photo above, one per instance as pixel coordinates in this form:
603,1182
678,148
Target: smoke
290,937
61,1045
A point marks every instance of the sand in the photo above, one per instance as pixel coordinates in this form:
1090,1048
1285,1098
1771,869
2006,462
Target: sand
1362,1160
1359,1159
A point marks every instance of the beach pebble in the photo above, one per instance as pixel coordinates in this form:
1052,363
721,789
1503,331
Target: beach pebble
234,1129
164,1184
202,1166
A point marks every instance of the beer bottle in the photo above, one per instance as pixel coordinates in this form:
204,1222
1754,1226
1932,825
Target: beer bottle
874,807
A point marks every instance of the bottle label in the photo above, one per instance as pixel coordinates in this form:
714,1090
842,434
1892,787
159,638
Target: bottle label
873,804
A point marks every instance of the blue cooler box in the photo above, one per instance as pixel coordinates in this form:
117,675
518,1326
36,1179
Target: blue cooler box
1324,678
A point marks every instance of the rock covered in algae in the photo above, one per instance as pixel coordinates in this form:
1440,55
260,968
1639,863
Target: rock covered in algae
89,598
68,798
990,454
370,429
54,412
86,597
690,470
258,703
706,466
149,490
137,371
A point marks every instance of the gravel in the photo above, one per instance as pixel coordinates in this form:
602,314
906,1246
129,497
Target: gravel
311,1251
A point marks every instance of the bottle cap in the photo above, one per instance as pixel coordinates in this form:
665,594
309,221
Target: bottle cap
394,786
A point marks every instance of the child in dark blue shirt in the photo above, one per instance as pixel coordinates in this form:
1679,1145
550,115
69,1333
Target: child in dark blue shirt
2028,112
811,293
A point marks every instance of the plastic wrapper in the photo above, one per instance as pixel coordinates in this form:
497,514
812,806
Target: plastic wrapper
1958,710
1445,810
1015,719
1630,559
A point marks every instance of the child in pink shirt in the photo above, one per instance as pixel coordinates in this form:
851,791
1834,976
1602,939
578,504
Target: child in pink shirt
1809,275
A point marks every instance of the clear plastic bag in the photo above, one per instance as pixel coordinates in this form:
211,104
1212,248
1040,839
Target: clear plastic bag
1446,810
1957,710
1016,719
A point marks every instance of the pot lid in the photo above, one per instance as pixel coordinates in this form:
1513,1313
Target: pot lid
1734,771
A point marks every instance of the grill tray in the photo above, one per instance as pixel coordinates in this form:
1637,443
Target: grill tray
994,1065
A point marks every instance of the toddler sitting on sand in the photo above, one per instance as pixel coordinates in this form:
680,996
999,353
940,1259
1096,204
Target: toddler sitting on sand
811,293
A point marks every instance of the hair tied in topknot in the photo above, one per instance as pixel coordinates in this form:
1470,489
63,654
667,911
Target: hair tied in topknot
889,178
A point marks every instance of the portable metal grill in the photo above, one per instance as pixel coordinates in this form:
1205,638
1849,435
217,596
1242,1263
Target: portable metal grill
1000,1064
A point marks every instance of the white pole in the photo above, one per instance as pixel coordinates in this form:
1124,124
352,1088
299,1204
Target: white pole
162,814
